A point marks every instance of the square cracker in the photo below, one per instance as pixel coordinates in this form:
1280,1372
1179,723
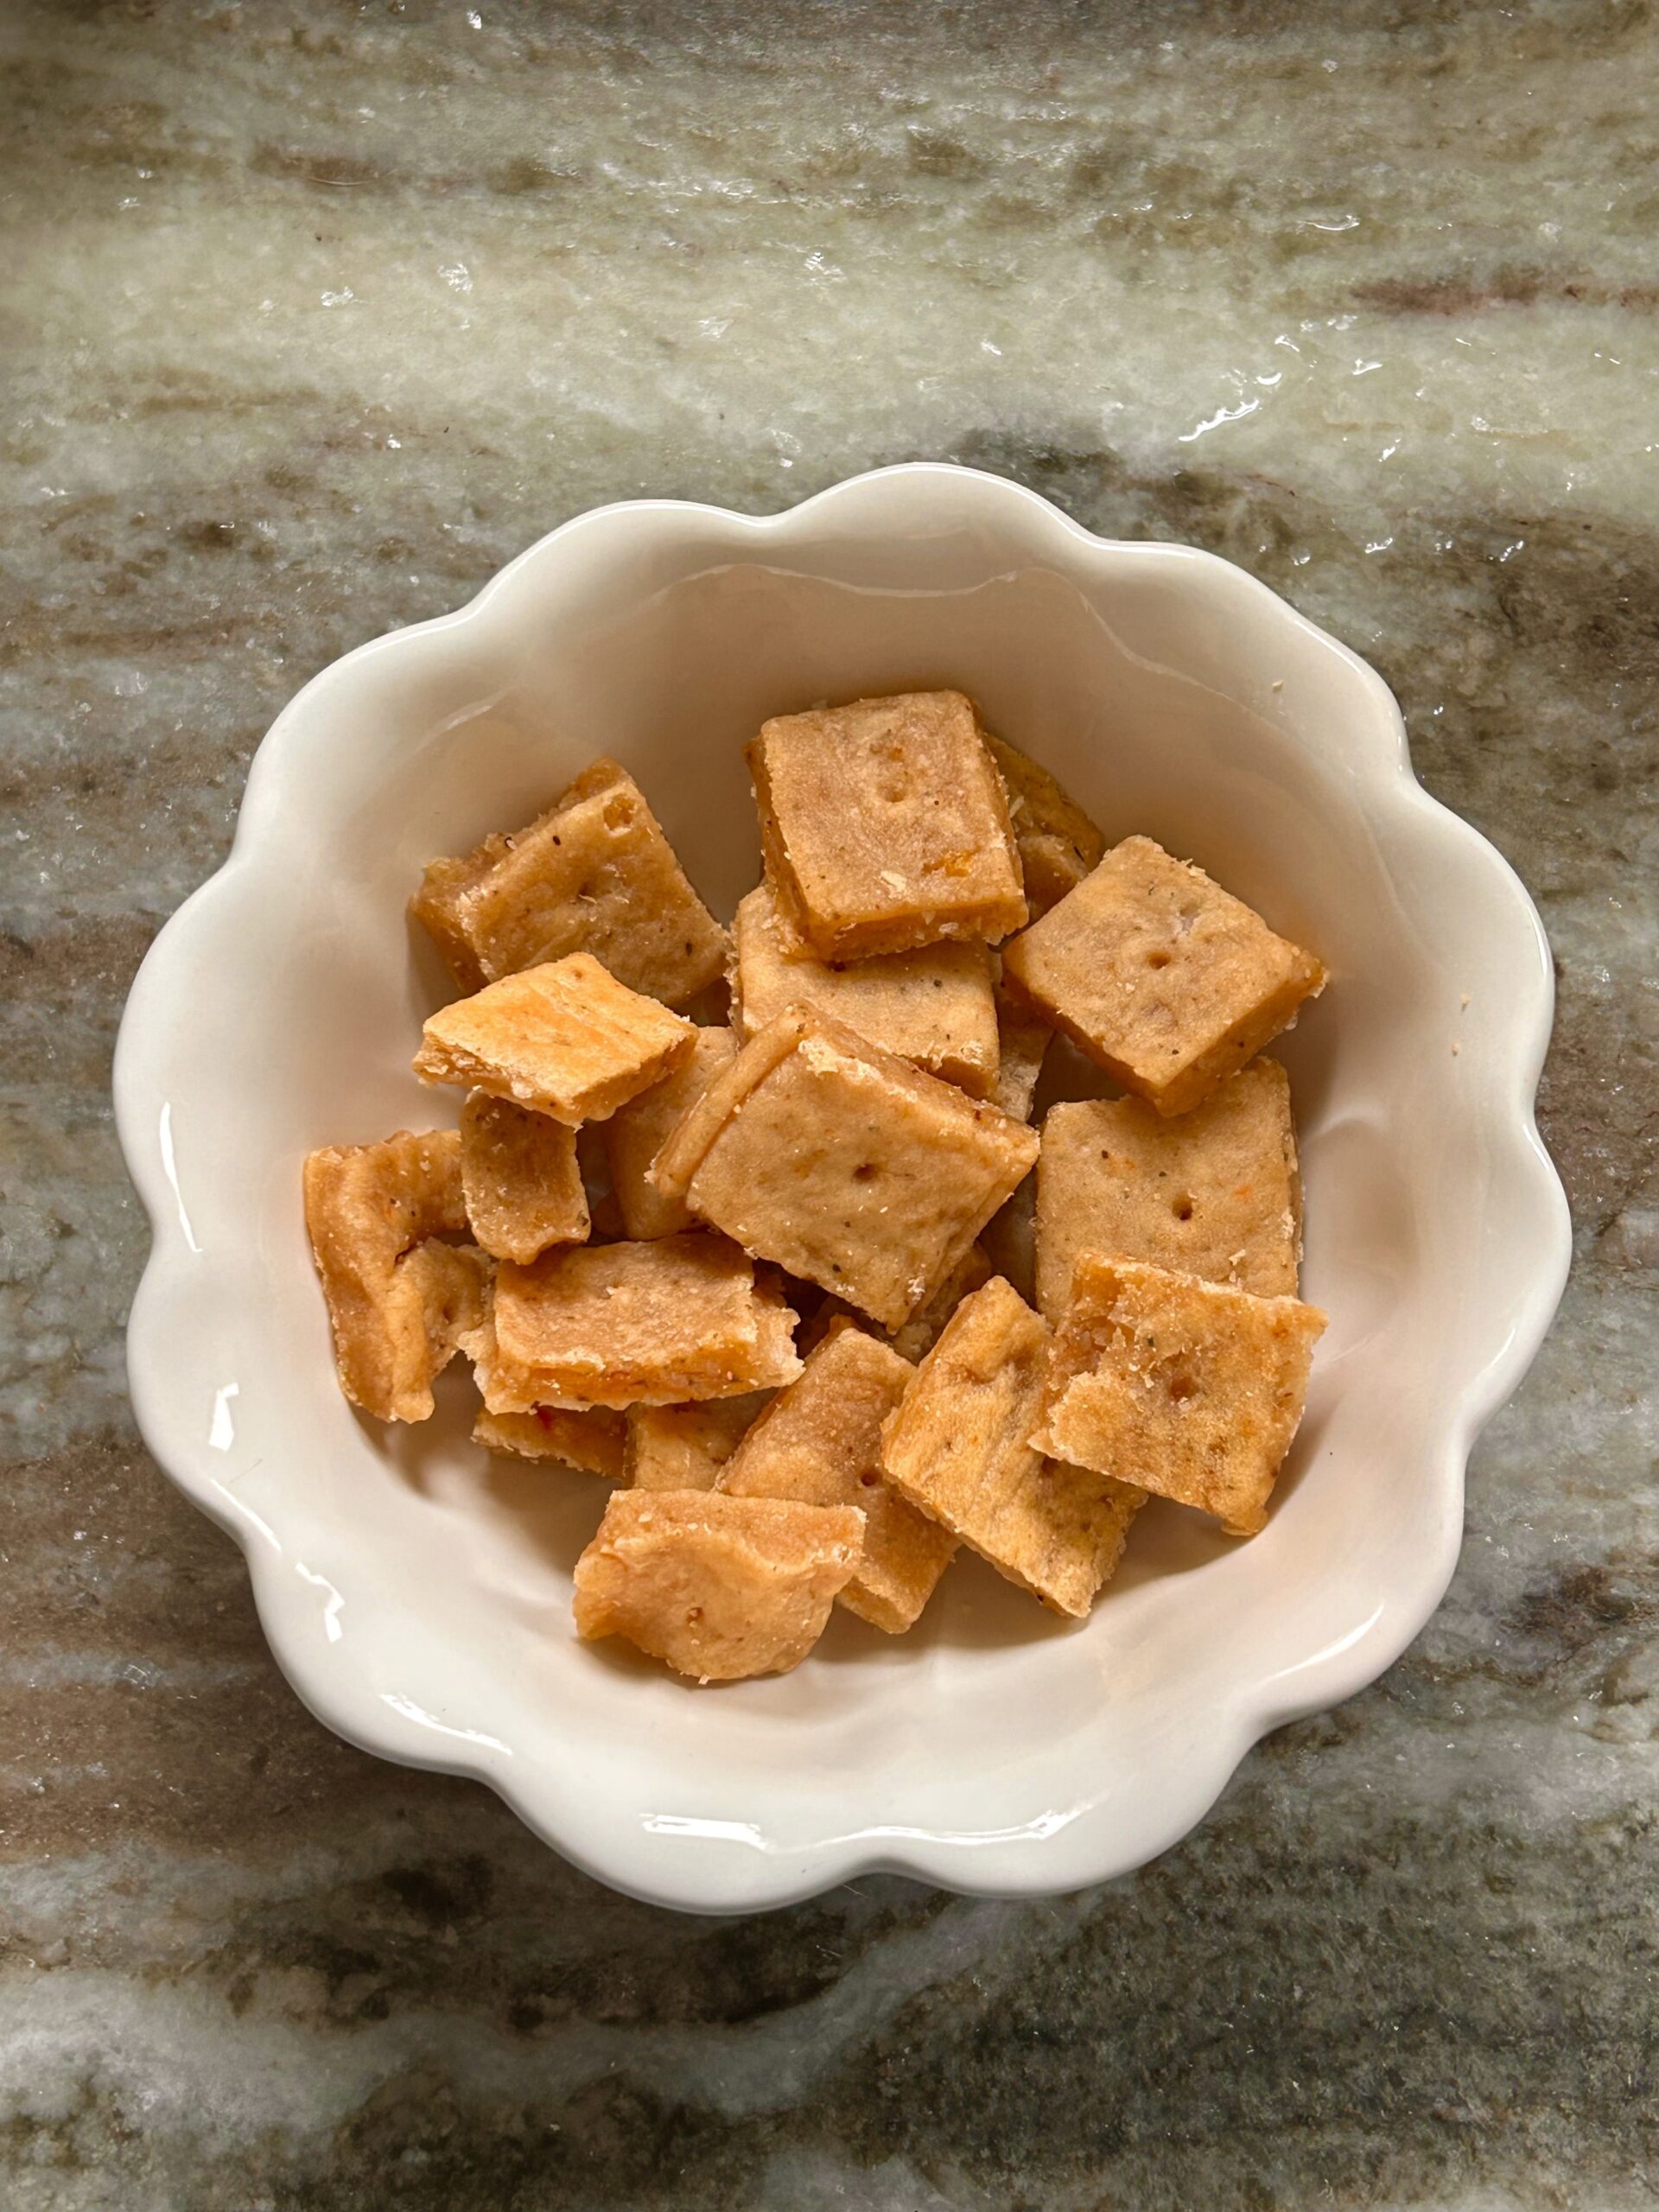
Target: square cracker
1193,1389
398,1304
518,1172
720,1588
1023,1038
1214,1192
844,1164
957,1449
619,1325
1166,980
886,825
595,873
684,1447
567,1040
932,1007
592,1442
1058,844
820,1440
636,1133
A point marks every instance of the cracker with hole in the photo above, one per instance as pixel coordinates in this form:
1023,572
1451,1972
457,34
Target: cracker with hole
1214,1192
1164,979
820,1441
567,1040
720,1588
957,1449
844,1164
596,874
1193,1389
933,1006
886,825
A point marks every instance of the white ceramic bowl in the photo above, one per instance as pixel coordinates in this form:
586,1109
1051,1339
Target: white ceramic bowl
417,1592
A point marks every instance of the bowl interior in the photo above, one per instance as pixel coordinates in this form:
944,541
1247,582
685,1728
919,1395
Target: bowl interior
1172,696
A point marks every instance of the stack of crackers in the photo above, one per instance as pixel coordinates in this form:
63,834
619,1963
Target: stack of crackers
814,1292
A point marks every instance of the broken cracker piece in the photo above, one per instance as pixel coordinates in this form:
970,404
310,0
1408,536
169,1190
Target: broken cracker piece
369,1210
1058,844
684,1447
1192,1388
636,1133
720,1588
1164,979
844,1164
820,1441
932,1007
617,1324
1023,1040
592,1442
886,825
566,1039
957,1448
596,874
522,1184
1214,1192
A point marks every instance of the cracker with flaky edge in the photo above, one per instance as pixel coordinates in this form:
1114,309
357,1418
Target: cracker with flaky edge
618,1324
1163,978
720,1588
592,1442
957,1449
1193,1386
886,825
520,1178
636,1133
567,1040
820,1440
684,1447
1214,1192
1058,844
595,873
933,1006
844,1164
398,1304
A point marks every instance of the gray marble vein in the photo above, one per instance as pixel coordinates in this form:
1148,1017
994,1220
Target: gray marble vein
316,313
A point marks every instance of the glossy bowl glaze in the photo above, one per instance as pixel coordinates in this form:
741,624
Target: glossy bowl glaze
416,1591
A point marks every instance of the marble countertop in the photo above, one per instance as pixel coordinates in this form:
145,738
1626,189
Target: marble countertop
321,312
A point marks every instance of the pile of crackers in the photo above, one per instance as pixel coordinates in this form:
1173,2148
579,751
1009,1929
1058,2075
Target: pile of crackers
757,1226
